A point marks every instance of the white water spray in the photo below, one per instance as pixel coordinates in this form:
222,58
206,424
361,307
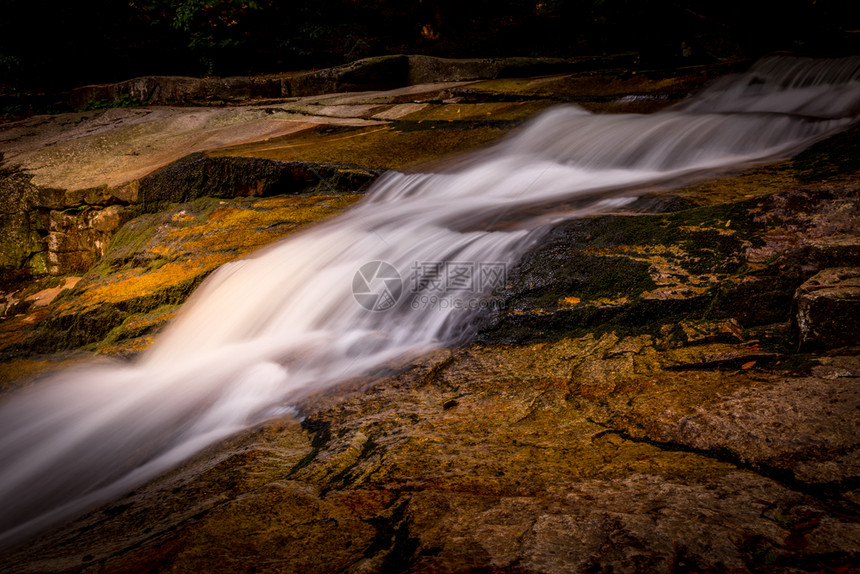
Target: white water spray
285,321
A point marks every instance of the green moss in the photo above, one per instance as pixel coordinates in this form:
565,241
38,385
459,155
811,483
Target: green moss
595,274
544,281
139,324
838,156
419,126
103,324
134,233
123,101
306,460
37,263
227,176
53,282
399,146
734,217
156,260
710,237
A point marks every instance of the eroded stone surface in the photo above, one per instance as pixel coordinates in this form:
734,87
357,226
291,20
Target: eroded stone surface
580,454
154,263
640,404
828,308
738,261
79,163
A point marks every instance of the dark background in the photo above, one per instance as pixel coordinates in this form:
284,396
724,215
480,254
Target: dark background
46,46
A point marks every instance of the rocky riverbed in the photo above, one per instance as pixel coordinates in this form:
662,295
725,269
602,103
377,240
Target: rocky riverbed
668,388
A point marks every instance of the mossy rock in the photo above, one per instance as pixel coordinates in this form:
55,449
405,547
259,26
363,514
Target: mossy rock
403,145
155,262
199,175
381,73
835,157
635,273
22,229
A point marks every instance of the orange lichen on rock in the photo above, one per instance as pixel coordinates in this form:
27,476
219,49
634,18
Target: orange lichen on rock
184,247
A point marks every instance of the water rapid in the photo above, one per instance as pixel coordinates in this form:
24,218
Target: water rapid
367,287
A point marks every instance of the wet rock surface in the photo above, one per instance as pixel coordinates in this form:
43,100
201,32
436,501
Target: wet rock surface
304,134
828,308
154,263
570,456
380,73
739,261
665,441
638,404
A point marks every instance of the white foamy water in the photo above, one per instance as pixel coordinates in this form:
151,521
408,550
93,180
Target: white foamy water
285,322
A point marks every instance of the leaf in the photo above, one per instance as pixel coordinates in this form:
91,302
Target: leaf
749,365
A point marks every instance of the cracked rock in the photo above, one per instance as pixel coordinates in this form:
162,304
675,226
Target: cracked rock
828,308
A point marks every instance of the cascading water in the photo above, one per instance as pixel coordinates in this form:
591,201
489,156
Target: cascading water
290,320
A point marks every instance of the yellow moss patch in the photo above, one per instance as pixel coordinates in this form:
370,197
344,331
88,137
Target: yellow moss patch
596,85
719,228
607,302
18,372
373,147
16,329
518,85
187,246
753,183
486,111
672,280
138,283
129,347
139,322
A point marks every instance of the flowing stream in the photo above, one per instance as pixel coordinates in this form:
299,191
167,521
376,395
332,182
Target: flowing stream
332,302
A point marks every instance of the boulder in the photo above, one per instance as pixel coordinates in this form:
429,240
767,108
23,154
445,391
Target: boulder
166,90
386,72
828,308
377,73
198,175
20,238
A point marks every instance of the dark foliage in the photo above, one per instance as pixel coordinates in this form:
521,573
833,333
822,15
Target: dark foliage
50,46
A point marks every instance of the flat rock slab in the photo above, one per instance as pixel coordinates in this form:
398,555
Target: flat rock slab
510,458
77,151
116,146
376,73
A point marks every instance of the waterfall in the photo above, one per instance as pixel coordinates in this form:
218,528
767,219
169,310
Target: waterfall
404,271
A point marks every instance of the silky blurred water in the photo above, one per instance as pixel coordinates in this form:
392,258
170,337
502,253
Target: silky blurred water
296,318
